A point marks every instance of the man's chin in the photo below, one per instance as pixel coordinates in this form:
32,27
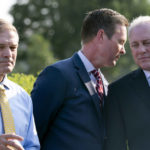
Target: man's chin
6,70
145,66
110,64
113,64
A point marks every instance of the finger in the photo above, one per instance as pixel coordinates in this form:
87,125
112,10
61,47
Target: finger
3,140
14,144
12,136
3,147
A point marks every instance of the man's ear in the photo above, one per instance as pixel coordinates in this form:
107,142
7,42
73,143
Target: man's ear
100,35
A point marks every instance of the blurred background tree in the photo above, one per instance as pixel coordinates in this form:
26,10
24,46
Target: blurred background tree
58,22
34,56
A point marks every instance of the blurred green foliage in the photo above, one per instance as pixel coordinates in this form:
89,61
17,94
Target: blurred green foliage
35,57
25,81
59,23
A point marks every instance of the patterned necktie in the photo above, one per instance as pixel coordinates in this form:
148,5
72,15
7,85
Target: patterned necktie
8,120
99,85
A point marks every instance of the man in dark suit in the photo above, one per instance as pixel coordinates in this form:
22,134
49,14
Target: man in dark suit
128,102
67,108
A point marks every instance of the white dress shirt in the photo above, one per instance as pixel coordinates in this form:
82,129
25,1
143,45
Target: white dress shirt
147,75
21,107
89,67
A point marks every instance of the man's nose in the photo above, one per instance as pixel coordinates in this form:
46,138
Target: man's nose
123,51
7,52
142,49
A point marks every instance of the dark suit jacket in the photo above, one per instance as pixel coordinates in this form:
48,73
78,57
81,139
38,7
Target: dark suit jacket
128,113
66,108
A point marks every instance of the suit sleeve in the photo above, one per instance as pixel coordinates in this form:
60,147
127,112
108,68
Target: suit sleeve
115,132
47,96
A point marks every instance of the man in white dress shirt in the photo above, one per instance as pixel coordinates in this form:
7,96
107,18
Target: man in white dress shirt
25,136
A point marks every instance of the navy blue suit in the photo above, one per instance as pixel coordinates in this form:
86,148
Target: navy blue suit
128,113
66,108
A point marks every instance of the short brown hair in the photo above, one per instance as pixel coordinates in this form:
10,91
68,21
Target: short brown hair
105,19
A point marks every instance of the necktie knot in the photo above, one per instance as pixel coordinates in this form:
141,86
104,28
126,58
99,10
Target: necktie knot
2,88
2,94
96,74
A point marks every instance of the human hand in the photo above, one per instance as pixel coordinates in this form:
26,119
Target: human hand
10,142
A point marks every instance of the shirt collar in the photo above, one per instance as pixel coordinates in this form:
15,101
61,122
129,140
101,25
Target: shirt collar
88,65
147,74
5,82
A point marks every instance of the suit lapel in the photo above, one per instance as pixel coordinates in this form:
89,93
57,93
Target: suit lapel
140,86
86,81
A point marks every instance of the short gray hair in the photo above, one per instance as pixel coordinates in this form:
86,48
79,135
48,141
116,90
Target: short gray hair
137,21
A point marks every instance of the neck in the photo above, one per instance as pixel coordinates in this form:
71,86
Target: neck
90,51
1,77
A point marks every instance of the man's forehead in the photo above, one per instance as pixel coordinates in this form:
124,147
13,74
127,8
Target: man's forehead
142,26
119,27
9,36
141,32
10,32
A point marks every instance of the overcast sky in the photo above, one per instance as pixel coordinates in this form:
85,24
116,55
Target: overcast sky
4,8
